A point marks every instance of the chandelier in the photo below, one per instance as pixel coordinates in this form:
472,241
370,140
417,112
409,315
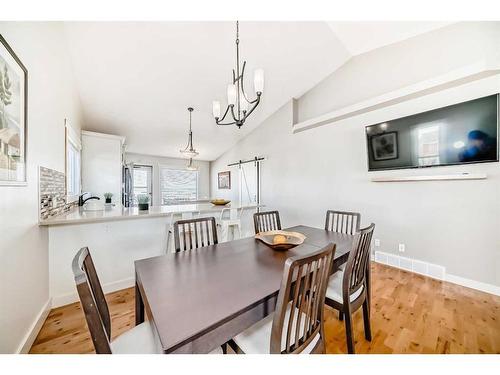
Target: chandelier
189,150
239,106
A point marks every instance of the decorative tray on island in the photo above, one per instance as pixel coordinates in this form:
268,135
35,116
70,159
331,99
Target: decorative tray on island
219,202
280,240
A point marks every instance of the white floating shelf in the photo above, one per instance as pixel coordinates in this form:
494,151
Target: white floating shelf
457,176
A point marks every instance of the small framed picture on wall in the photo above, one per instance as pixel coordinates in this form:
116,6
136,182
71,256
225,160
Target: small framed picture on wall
224,179
384,146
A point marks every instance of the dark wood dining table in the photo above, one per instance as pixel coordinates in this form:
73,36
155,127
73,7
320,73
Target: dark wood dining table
197,300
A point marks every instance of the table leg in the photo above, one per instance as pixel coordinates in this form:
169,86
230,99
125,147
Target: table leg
139,306
368,280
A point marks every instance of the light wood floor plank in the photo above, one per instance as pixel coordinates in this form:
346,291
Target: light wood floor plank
410,314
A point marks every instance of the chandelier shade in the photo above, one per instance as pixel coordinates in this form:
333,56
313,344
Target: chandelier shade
191,166
239,107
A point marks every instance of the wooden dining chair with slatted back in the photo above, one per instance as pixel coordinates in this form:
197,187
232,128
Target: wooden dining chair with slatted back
348,289
297,324
138,340
266,221
342,221
191,234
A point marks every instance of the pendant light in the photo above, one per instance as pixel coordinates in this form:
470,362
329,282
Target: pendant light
189,151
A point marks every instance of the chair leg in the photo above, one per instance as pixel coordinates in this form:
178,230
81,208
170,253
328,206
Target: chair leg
224,348
224,231
168,241
366,320
348,332
341,315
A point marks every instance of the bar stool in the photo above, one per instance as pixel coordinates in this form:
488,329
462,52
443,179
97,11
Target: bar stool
230,219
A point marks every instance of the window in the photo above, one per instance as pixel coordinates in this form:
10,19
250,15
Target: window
142,181
73,164
178,185
428,146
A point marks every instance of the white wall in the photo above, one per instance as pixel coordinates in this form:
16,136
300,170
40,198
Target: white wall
24,289
450,223
157,161
102,165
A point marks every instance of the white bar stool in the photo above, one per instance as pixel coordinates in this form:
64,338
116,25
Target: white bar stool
230,219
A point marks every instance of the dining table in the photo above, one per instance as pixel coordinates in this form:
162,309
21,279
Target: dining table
198,300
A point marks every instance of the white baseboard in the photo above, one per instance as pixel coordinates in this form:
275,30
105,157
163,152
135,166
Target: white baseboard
66,299
478,285
432,270
25,345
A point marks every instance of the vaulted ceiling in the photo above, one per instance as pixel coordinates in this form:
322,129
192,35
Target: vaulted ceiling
137,79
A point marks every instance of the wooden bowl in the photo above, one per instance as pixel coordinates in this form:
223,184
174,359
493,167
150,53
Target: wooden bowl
281,240
219,202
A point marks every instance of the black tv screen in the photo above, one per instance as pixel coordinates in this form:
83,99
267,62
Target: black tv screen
461,133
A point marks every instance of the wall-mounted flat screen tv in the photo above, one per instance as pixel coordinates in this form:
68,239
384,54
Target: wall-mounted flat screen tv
458,134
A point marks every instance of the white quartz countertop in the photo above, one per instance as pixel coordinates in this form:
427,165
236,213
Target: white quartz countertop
78,215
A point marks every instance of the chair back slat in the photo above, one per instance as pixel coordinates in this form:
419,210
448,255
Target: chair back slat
266,221
342,221
92,300
194,233
357,263
298,316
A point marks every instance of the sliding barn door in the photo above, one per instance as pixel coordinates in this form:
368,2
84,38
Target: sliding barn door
249,181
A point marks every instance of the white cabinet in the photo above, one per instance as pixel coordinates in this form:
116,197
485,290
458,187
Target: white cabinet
102,164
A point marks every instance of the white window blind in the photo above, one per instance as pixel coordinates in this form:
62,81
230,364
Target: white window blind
178,185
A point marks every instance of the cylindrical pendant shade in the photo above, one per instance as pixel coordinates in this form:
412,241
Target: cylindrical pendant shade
216,109
258,80
231,94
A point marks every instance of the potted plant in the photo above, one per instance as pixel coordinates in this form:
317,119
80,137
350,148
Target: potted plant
108,196
143,200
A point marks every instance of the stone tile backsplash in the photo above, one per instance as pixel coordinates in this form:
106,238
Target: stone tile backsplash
52,188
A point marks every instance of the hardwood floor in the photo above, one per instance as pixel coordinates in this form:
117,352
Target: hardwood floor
410,314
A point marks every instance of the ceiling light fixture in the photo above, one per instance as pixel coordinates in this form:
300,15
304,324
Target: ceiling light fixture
239,105
189,151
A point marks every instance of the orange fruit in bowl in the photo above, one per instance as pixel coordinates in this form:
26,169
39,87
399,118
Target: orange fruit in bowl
279,239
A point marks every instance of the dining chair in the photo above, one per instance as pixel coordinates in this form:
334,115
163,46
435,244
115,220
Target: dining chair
191,234
297,324
138,340
348,289
266,221
342,221
173,217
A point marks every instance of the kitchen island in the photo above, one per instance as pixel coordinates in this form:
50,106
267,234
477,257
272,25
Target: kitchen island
116,237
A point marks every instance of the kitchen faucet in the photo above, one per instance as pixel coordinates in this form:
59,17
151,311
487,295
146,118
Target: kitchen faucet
82,201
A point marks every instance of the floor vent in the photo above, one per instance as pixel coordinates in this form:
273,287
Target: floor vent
424,268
